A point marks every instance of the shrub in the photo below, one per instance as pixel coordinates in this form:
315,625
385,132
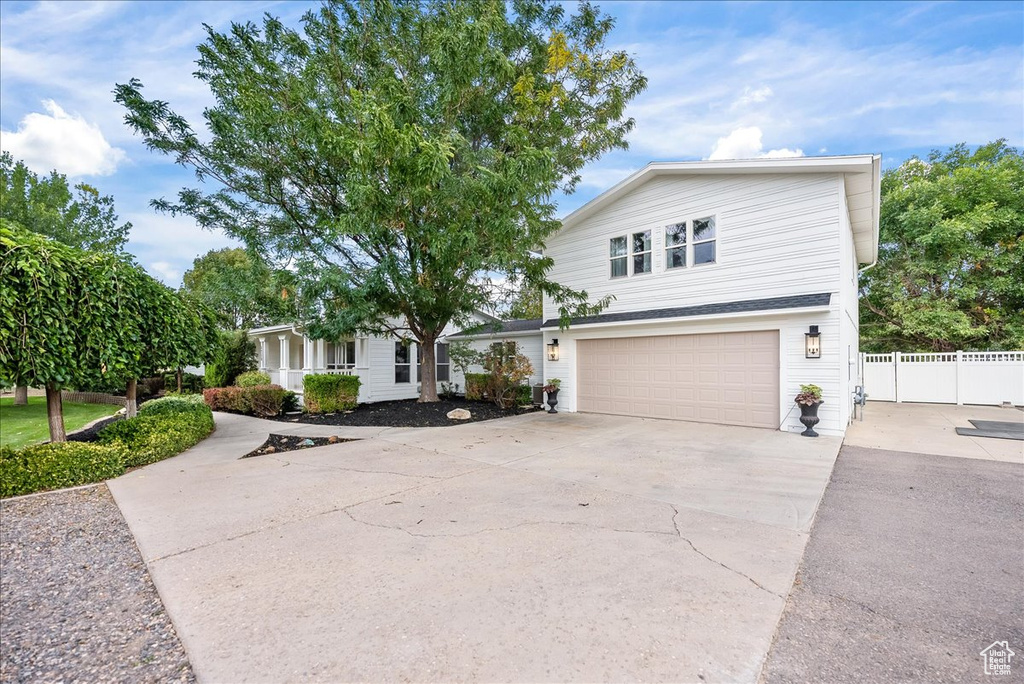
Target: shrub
190,382
53,466
477,385
252,379
223,398
264,401
235,355
327,393
167,428
291,402
175,403
508,369
523,395
149,387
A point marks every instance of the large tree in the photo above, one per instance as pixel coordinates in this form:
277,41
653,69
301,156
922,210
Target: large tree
950,272
76,216
397,155
240,287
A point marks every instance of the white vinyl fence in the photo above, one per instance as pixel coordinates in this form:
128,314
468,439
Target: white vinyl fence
948,378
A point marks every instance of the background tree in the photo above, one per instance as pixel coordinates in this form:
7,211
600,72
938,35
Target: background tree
528,302
393,152
950,272
46,205
240,288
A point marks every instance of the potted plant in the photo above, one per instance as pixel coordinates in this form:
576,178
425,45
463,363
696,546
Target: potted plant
809,400
551,389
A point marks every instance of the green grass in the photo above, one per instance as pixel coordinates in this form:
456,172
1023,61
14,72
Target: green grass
24,425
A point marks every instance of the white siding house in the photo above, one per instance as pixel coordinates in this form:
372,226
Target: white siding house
718,270
387,367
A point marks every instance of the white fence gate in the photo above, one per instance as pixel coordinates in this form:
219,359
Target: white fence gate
947,378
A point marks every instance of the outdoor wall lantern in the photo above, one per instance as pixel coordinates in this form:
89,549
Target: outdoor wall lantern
553,349
812,343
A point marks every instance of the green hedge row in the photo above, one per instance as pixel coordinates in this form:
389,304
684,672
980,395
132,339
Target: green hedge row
329,393
164,427
252,379
265,401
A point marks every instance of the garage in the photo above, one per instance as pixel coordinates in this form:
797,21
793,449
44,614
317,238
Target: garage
725,378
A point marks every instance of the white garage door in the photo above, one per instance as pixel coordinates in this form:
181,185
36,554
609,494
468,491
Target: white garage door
727,378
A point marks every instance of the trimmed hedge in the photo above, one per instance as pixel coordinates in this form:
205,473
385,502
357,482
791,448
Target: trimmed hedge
329,393
54,466
265,401
252,379
164,428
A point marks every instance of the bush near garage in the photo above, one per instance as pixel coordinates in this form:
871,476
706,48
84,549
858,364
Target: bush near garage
477,385
330,393
56,465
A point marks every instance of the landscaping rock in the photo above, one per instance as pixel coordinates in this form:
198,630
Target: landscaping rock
333,439
459,414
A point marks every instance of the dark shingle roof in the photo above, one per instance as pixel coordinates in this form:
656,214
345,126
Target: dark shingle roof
745,306
498,327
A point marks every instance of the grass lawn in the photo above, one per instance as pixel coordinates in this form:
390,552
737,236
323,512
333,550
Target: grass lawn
24,425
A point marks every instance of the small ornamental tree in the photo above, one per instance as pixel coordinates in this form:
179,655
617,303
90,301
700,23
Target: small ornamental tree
399,155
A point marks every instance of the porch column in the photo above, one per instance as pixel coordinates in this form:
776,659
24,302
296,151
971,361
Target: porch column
263,353
285,351
307,354
320,362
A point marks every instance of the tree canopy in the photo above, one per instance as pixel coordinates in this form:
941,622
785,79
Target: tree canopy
241,288
950,272
46,205
392,153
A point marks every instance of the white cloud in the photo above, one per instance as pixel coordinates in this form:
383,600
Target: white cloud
61,141
745,143
752,96
165,271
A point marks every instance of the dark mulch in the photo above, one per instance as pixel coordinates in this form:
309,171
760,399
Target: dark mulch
91,434
409,413
276,444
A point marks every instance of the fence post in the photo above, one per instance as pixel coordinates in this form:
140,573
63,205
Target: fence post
896,376
959,378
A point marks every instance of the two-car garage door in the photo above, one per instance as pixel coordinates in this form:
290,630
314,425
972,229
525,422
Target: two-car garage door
727,378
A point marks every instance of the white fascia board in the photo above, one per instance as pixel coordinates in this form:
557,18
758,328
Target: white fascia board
266,330
694,319
495,336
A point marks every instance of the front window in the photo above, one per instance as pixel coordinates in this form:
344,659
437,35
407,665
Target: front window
618,257
642,252
401,362
704,241
675,246
341,355
442,363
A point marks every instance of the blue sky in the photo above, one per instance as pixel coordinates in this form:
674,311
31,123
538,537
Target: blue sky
726,80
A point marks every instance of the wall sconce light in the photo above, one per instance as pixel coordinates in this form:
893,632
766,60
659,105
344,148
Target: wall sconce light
812,343
553,349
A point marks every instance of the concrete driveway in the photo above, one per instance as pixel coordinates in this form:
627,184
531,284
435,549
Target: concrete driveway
537,548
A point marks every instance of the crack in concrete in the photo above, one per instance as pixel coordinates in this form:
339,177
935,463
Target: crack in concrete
675,524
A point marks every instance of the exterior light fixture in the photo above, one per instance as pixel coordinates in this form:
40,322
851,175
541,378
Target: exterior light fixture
553,349
812,343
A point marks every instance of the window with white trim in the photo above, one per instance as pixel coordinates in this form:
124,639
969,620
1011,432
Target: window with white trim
401,362
442,363
641,252
675,245
340,355
704,238
619,258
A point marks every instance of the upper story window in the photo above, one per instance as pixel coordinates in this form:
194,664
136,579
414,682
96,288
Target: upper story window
642,252
704,241
690,243
618,257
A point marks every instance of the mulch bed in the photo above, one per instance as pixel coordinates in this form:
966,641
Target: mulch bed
91,434
409,413
276,444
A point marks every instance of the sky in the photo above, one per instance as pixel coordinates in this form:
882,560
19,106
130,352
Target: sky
726,80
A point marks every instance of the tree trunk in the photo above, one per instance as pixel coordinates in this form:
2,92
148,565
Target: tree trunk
179,380
131,406
55,414
428,372
20,395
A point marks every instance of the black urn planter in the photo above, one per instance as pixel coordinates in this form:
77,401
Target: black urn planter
809,417
553,401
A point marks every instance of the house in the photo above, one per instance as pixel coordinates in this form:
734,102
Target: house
388,367
734,283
